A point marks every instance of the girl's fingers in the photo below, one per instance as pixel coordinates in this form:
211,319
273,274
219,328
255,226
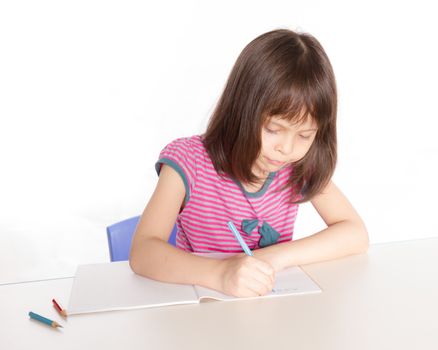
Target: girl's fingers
259,282
256,287
248,276
266,269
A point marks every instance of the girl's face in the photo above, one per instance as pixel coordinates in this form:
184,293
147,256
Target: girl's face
283,142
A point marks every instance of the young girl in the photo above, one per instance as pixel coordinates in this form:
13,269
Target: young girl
270,145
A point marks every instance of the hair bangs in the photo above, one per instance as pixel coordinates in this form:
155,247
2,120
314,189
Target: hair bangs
305,91
291,104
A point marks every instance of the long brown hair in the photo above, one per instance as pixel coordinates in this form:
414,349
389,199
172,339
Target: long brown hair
281,73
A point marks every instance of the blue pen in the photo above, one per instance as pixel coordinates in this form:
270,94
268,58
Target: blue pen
44,320
241,241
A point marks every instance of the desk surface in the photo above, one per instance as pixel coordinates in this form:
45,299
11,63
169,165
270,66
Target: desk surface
386,299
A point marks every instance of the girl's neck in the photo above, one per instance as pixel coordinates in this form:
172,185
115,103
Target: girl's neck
262,176
256,186
252,188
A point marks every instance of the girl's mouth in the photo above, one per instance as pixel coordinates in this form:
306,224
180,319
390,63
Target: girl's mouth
275,162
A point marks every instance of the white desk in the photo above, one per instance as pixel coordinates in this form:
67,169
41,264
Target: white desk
386,299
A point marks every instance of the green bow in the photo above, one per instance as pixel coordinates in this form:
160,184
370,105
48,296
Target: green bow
268,234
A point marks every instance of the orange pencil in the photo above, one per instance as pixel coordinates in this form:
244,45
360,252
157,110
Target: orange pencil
58,308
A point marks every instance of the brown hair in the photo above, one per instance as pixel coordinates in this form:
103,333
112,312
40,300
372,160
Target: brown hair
285,74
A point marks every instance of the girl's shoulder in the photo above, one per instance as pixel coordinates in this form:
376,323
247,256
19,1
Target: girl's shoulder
186,152
186,144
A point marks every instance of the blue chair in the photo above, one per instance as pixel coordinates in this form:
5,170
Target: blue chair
120,237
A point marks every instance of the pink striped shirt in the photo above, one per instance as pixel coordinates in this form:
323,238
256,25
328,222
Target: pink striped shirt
212,200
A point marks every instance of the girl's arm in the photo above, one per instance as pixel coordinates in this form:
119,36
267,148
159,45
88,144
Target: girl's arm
345,235
153,257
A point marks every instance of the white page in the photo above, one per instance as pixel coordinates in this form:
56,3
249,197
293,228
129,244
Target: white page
114,286
290,281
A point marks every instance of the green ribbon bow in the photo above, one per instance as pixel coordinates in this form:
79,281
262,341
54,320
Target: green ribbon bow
268,234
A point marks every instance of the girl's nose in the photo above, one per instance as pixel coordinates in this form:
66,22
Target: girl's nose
286,147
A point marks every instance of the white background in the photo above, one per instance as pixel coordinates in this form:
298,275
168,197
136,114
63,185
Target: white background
90,92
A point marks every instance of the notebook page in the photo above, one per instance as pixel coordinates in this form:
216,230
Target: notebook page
114,286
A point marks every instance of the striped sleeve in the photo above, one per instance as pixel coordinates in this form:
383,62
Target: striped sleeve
180,156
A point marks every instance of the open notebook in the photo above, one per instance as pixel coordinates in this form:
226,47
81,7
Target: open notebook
113,286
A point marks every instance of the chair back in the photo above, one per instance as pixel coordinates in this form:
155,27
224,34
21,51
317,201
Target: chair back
120,237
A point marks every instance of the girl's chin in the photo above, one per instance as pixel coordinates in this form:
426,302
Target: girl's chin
263,169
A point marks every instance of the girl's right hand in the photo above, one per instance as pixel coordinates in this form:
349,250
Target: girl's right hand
246,276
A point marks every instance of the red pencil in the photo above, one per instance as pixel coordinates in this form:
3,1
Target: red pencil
62,311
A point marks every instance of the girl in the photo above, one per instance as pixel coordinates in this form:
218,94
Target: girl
269,146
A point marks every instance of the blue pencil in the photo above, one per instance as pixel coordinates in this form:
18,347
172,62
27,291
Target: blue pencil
239,239
44,320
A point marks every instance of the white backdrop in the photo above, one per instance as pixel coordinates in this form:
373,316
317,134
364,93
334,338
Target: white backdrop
90,91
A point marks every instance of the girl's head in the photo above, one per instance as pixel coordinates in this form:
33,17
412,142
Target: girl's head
278,108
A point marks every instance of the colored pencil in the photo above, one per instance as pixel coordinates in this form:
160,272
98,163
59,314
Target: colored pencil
58,308
44,320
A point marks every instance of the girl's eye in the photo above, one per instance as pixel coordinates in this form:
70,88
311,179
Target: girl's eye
271,131
305,137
